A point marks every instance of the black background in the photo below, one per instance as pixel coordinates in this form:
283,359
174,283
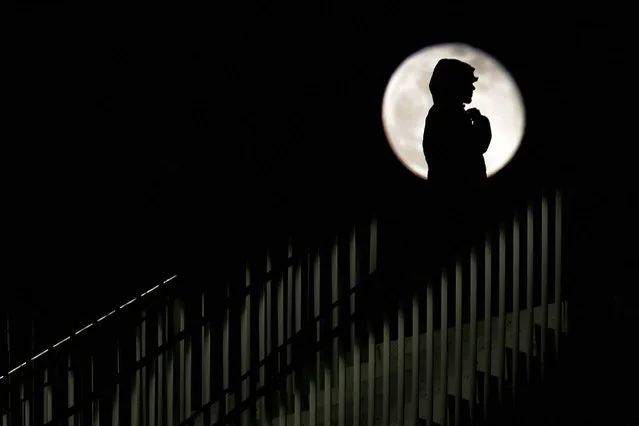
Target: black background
138,141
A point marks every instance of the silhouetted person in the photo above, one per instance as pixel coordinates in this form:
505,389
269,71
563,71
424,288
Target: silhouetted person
455,139
454,142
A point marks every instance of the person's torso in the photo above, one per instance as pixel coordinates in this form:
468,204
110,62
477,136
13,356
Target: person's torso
452,146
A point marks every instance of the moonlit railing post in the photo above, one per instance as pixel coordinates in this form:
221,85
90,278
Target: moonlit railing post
401,353
371,332
501,332
297,402
529,289
270,324
443,333
415,360
135,391
48,396
355,344
290,317
338,342
487,323
245,336
544,283
161,370
430,355
315,375
558,299
180,359
95,404
457,391
206,358
281,328
225,364
515,326
262,330
115,401
473,333
386,371
70,377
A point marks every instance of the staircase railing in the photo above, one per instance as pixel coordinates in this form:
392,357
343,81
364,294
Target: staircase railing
165,354
296,340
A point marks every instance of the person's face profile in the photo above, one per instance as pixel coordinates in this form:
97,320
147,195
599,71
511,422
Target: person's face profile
468,91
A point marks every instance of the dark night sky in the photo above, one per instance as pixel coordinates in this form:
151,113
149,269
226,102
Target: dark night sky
138,137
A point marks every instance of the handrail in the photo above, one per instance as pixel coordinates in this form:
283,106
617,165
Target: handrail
182,335
272,272
99,320
227,299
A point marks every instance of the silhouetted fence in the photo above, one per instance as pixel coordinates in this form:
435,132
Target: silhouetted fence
294,342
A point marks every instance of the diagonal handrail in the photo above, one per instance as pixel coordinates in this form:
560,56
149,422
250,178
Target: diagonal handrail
182,335
136,301
91,324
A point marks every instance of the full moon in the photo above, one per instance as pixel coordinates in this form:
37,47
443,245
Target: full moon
407,100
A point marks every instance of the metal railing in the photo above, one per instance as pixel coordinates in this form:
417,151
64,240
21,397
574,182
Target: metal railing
297,341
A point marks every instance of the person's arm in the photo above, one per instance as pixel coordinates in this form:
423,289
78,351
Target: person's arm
481,130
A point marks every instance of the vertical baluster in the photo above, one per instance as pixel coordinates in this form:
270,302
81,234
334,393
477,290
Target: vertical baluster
459,325
401,353
371,332
245,335
370,403
206,357
10,416
501,332
5,357
473,333
430,355
297,401
48,395
269,326
160,369
135,380
151,378
386,371
183,389
30,402
171,365
529,289
70,388
443,372
281,327
226,348
192,376
544,281
290,316
330,357
95,404
558,301
144,371
355,344
487,323
262,350
415,360
313,389
24,406
328,392
338,343
115,407
515,327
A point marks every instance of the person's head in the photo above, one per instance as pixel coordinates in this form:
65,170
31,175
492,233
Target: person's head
452,82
